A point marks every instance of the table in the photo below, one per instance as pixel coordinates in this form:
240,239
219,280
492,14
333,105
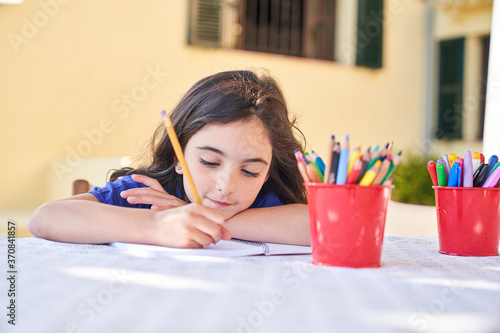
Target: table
64,287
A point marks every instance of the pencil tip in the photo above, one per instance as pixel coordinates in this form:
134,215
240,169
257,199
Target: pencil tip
163,113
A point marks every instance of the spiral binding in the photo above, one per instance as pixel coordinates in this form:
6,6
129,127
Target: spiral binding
251,243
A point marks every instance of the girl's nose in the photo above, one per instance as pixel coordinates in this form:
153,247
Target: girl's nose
226,183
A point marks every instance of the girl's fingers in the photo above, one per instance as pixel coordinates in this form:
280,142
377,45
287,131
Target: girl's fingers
155,201
210,229
226,234
191,225
148,181
202,238
149,196
208,213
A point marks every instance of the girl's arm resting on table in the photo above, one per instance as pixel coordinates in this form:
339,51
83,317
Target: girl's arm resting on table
82,219
288,224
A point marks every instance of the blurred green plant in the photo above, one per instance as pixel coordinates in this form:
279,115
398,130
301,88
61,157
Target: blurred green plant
412,182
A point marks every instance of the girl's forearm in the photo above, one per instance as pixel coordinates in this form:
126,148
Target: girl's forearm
287,224
88,221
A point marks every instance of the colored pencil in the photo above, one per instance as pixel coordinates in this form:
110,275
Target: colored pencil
384,169
343,163
302,166
311,171
394,163
356,170
356,154
334,164
371,174
328,166
319,161
364,166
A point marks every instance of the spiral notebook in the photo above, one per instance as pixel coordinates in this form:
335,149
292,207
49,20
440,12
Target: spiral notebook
231,248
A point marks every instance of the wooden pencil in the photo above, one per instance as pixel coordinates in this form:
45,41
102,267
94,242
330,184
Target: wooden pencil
180,156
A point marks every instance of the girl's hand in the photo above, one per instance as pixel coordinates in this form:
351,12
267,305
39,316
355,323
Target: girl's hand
189,226
153,194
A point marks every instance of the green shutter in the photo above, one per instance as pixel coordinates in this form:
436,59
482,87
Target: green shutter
205,23
369,33
451,76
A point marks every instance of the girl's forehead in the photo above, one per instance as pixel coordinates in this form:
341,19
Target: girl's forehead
244,136
251,127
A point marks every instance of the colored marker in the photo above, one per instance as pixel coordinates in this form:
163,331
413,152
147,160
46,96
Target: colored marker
481,175
492,179
454,175
468,169
461,174
343,163
431,166
459,177
476,160
494,168
492,161
441,174
477,171
446,164
452,158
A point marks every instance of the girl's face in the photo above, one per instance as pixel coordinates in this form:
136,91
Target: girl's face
229,164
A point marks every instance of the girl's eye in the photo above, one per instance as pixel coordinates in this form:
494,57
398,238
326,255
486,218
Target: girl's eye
210,164
250,174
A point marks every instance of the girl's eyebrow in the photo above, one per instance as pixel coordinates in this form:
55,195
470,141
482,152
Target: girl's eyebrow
221,153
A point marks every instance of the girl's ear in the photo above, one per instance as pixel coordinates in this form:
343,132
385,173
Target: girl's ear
178,168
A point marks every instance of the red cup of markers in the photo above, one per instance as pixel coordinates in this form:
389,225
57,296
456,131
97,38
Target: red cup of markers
468,220
347,223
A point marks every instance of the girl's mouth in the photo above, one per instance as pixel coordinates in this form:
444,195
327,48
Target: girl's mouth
220,203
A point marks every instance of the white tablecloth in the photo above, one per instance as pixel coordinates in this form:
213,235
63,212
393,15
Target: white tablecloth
87,288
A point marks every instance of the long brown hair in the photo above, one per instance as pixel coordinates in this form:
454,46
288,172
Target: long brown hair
224,98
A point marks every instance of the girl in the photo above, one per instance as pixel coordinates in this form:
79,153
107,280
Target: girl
238,141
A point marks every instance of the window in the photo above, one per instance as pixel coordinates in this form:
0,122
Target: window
369,33
485,46
302,28
450,90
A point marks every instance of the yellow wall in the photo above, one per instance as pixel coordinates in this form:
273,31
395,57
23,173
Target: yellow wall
69,77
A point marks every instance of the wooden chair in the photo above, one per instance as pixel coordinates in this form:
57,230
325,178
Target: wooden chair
80,186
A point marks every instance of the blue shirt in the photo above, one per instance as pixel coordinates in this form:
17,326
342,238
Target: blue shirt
110,194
